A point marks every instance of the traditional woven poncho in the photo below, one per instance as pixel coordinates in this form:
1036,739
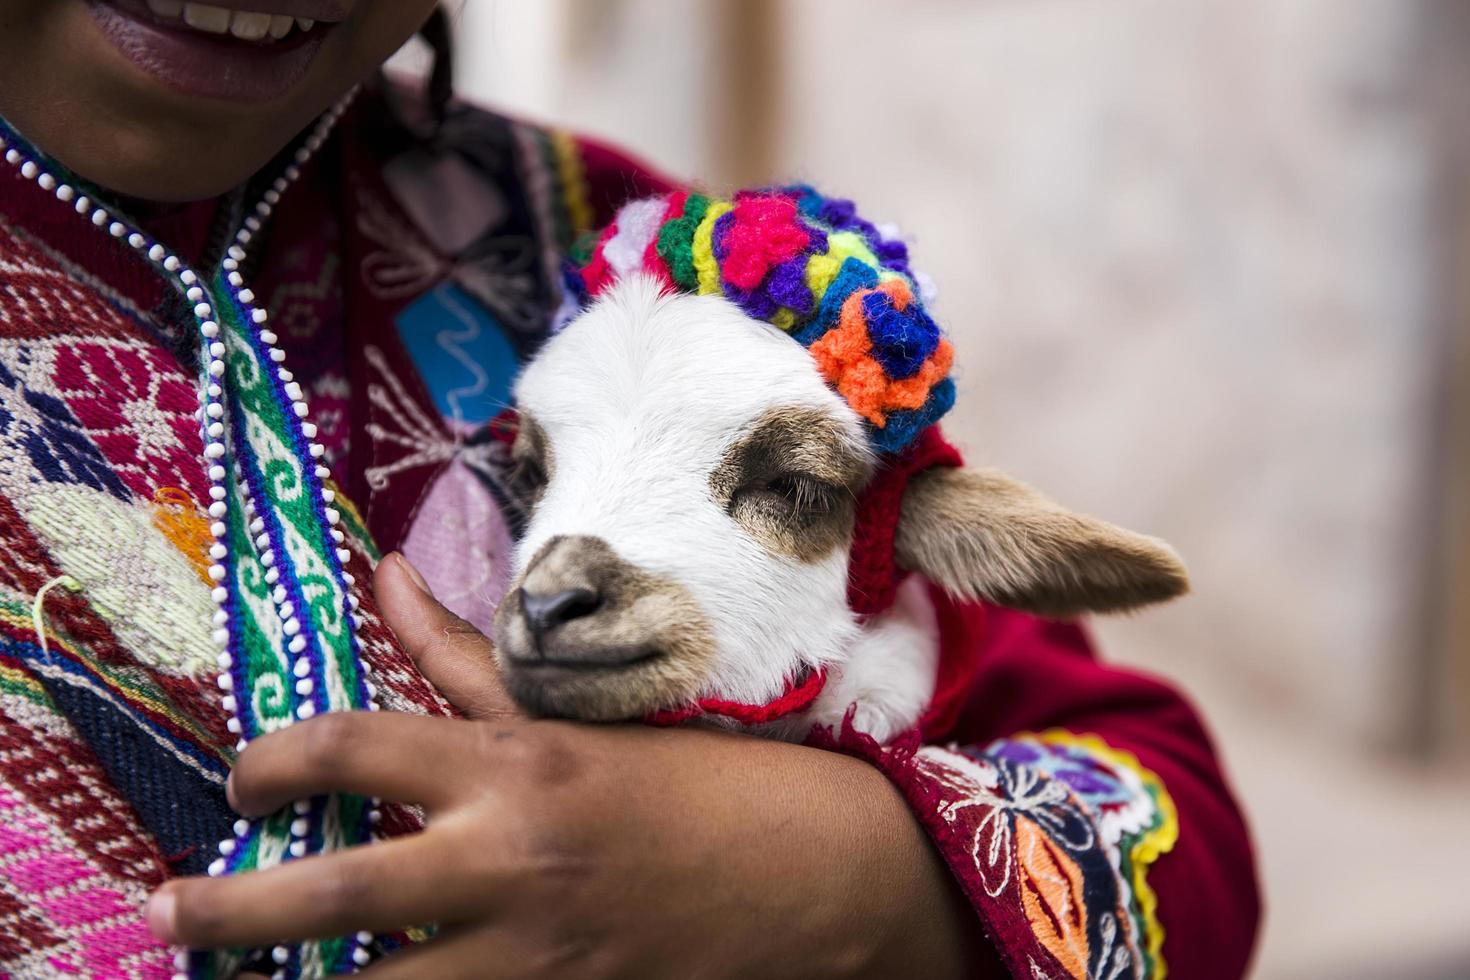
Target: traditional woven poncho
813,267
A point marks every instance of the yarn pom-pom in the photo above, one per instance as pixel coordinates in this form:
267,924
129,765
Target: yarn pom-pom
764,232
812,266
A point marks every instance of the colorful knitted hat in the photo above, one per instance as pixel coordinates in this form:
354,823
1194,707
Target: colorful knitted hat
813,267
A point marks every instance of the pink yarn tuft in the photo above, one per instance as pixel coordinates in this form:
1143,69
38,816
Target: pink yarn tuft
764,233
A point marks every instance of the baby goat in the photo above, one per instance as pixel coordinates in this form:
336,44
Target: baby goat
694,479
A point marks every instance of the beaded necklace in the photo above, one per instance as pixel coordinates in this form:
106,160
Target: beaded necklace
285,620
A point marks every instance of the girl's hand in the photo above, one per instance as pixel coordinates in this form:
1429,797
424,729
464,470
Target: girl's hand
556,849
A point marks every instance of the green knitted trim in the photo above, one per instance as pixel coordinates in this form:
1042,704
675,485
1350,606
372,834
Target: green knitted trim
261,659
676,241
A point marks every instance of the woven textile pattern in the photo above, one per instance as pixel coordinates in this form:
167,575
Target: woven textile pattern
102,465
297,651
61,497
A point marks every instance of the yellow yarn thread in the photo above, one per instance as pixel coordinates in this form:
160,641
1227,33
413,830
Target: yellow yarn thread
145,694
570,171
702,248
841,246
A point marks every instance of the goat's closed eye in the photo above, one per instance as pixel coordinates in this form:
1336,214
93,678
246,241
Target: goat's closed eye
803,493
794,513
795,494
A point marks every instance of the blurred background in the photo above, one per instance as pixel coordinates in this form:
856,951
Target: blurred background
1205,265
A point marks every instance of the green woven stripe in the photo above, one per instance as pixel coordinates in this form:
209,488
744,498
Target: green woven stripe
354,527
28,688
293,505
262,651
129,680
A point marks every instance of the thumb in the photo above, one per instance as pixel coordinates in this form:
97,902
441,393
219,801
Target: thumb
457,659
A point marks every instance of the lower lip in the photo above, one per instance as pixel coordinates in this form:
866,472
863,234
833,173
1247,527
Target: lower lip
208,66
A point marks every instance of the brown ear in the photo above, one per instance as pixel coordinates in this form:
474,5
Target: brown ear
981,534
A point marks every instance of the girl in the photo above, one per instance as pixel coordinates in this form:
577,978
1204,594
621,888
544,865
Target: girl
401,251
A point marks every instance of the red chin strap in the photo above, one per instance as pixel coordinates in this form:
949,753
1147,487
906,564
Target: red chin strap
798,696
873,574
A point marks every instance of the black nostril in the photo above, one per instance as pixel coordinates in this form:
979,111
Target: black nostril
548,611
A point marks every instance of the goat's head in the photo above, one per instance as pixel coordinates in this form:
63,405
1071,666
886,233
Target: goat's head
694,479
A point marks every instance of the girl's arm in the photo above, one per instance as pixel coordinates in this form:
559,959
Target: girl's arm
1082,809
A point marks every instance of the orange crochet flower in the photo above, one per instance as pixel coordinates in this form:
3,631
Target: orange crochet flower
844,356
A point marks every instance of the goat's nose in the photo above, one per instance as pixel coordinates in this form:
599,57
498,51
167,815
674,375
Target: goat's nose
546,611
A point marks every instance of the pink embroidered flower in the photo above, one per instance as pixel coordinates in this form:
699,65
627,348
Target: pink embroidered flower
137,406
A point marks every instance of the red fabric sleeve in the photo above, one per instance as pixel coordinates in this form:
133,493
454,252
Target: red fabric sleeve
615,178
1033,676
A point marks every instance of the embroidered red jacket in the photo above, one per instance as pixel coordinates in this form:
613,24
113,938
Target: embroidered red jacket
1081,807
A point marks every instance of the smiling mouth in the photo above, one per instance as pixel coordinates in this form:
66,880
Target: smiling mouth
244,25
216,52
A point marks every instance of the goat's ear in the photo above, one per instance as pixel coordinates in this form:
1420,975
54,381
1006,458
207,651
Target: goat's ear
981,534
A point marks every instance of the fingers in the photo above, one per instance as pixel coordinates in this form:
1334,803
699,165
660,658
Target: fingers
379,887
369,753
456,658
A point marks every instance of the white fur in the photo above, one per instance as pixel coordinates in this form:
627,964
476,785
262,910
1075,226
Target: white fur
890,672
640,398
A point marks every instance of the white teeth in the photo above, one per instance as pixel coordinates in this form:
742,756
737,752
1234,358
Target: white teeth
204,17
250,27
244,24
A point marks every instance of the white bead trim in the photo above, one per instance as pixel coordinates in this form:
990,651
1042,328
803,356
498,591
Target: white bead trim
214,449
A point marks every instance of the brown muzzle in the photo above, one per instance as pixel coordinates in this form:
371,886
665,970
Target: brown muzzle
585,634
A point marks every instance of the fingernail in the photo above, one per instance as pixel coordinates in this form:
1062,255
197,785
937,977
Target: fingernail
413,573
230,792
159,914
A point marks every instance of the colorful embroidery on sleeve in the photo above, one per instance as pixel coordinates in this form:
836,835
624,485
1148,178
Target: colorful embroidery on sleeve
1134,813
1062,829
